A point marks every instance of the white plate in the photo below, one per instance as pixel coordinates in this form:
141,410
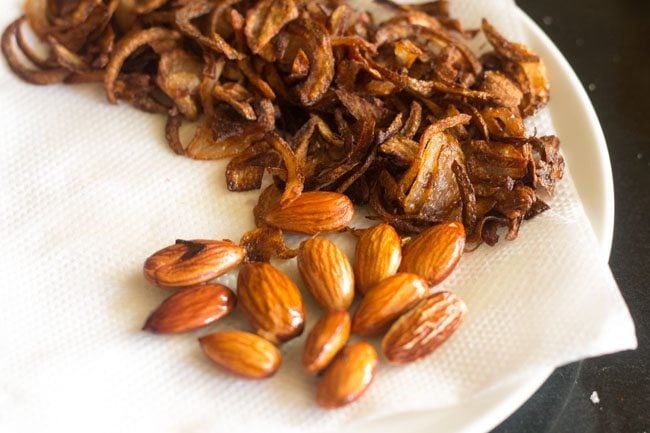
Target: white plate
577,125
586,154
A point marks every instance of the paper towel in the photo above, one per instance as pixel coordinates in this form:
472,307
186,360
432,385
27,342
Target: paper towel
89,190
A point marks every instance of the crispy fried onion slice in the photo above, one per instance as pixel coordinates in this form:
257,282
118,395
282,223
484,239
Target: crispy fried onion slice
510,50
127,46
179,76
35,76
226,133
266,19
438,34
495,163
268,200
295,180
502,122
504,91
214,41
548,162
429,88
312,38
434,189
266,243
246,170
172,132
238,97
524,66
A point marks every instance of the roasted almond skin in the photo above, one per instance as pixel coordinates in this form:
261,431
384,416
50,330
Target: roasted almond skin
325,340
312,213
424,328
271,302
242,353
192,262
327,273
378,256
191,308
387,301
434,253
348,377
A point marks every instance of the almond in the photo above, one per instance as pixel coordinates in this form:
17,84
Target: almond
378,255
192,262
326,338
327,273
387,301
420,331
348,377
242,353
312,213
434,253
271,301
191,308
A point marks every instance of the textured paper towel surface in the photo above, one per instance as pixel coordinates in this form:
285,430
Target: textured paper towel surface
88,190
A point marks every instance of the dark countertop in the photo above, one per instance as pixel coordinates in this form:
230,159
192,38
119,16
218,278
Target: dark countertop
608,44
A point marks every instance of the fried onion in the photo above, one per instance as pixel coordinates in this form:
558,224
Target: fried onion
403,115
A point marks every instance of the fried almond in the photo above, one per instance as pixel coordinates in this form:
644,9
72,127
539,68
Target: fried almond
312,213
192,262
348,377
271,302
327,273
191,308
424,328
434,253
242,353
387,301
325,339
378,255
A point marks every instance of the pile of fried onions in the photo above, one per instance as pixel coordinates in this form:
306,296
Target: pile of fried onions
402,116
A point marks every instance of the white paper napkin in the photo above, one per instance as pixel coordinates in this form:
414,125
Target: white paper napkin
89,190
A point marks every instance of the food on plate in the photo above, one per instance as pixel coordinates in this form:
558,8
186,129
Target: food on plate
327,273
386,301
421,330
434,253
186,263
271,302
335,109
377,256
191,308
325,339
312,213
242,353
348,377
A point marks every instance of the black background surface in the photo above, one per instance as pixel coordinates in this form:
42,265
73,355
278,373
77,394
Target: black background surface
607,42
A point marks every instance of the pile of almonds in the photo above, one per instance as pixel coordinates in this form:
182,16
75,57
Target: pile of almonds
395,282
